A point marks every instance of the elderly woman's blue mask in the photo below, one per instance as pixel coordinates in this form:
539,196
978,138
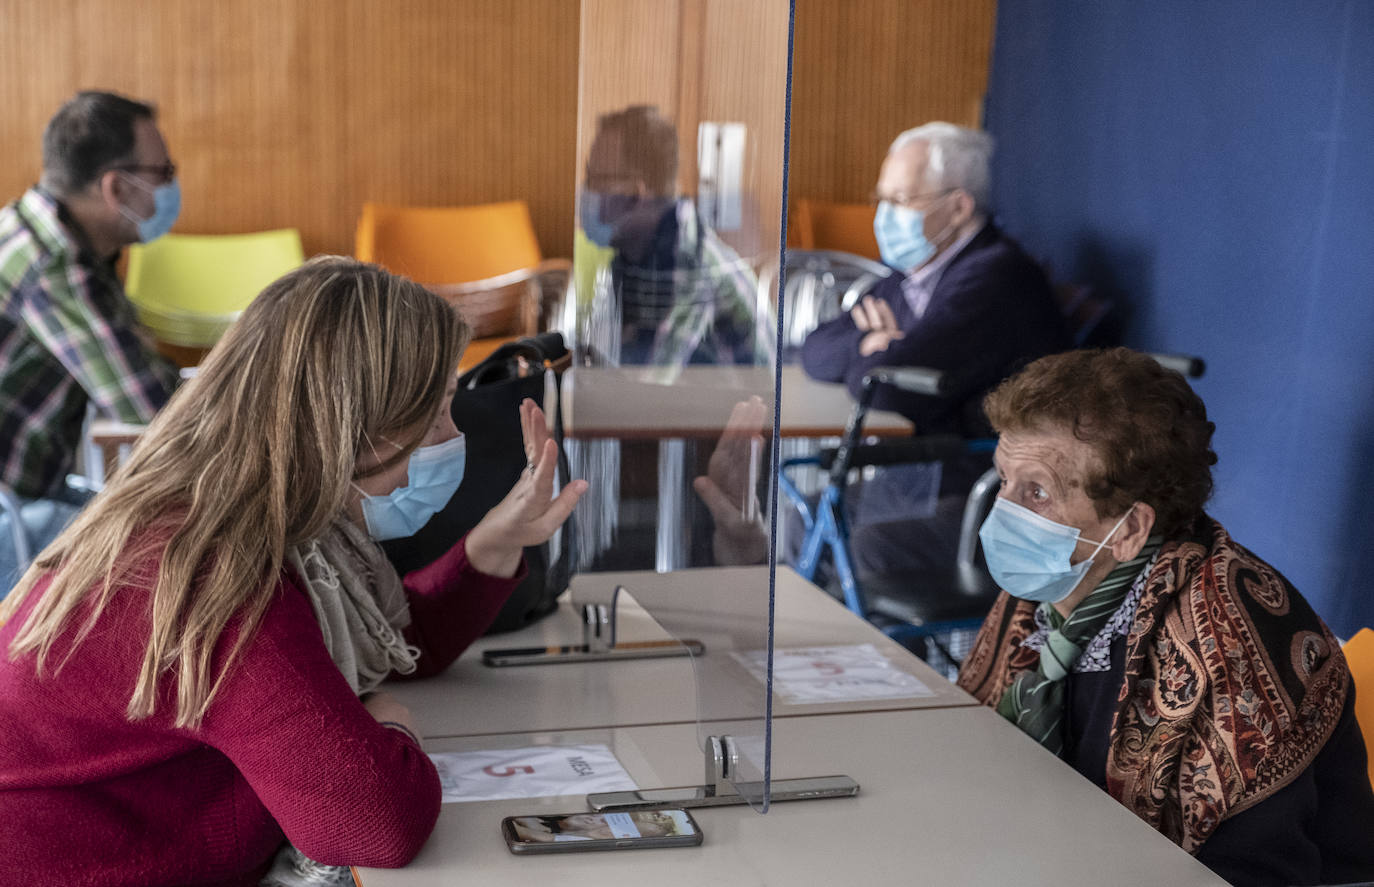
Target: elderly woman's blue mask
1028,554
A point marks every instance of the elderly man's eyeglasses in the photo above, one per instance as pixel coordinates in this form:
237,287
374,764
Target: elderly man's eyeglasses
162,172
910,201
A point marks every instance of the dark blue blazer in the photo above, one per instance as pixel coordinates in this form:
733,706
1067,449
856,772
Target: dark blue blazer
991,313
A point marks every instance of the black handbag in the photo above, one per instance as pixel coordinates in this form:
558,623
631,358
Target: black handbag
486,410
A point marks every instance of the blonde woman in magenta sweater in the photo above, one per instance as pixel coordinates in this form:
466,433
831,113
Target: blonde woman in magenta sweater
170,711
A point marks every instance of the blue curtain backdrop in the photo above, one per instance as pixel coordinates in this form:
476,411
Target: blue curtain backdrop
1210,166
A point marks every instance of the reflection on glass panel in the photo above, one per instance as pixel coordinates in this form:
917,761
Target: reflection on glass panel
657,285
668,409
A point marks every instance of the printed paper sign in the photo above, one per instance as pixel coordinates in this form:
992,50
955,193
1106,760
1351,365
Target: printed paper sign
535,772
803,675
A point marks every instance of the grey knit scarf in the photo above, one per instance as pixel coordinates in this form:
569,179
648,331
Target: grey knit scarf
361,607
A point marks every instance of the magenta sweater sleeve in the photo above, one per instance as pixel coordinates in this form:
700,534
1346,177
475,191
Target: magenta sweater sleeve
451,605
343,788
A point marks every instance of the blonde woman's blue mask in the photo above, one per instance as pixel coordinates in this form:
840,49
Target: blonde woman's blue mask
432,477
1028,554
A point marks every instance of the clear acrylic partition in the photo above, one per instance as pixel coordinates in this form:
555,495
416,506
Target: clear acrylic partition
669,406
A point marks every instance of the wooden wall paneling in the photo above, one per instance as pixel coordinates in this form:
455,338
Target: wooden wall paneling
865,70
251,107
744,79
295,112
629,55
691,75
480,109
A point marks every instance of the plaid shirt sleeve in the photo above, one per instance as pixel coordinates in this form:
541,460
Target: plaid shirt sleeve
739,331
738,302
86,323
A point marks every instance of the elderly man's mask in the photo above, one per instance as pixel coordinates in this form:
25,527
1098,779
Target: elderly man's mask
901,235
1028,554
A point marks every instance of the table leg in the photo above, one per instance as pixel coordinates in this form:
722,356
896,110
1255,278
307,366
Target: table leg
671,538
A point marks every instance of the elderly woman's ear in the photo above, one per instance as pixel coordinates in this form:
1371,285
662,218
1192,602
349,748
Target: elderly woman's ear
1130,539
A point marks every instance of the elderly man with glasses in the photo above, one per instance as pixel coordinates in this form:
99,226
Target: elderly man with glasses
963,298
68,336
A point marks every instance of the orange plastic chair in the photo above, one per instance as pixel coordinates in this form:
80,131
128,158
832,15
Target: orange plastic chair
485,258
1359,654
847,227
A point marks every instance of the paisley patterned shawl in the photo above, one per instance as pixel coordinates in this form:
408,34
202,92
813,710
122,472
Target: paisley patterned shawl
1233,684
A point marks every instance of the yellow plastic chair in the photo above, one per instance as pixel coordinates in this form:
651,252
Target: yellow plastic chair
188,288
588,260
847,227
485,258
1359,654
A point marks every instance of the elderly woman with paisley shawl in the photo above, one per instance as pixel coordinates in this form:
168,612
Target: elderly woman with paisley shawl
1137,641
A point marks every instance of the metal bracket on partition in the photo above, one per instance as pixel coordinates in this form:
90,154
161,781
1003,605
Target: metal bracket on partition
722,760
598,626
598,643
723,788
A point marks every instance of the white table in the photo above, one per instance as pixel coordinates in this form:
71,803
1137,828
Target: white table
948,796
723,607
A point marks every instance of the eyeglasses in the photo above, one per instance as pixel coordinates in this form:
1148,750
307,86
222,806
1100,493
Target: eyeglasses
163,172
910,201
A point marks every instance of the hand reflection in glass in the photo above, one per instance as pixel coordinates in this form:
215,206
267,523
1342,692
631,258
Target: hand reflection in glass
729,488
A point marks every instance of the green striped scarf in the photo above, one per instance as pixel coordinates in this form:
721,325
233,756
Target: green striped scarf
1035,700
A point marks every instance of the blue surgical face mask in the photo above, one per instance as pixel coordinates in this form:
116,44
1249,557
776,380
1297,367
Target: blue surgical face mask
901,233
1028,554
166,208
627,222
433,475
597,213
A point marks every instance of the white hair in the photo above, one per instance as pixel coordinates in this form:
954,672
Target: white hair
959,158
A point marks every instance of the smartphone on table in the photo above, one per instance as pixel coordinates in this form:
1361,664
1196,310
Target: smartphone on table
572,832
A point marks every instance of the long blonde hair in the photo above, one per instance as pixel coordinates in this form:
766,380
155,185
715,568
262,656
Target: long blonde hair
253,455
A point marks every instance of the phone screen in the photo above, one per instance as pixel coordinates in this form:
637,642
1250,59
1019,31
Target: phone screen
570,832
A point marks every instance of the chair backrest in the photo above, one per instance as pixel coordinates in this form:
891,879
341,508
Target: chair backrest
971,572
1190,366
1359,654
437,245
820,285
188,288
847,227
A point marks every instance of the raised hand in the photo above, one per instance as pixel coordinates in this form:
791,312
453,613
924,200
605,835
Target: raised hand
729,487
530,513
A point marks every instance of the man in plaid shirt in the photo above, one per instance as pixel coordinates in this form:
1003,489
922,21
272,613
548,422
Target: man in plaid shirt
68,335
675,294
